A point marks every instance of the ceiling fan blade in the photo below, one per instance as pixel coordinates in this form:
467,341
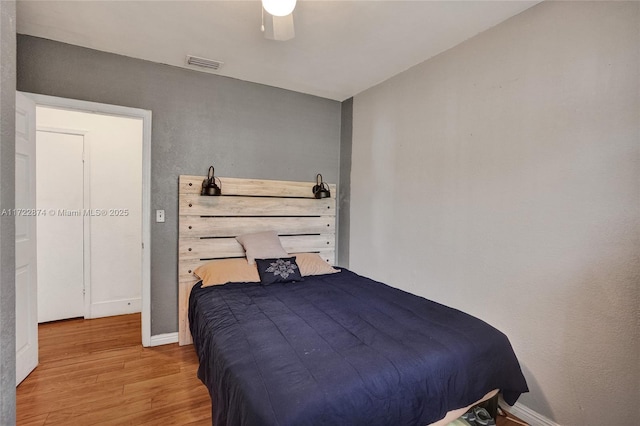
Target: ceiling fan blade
279,28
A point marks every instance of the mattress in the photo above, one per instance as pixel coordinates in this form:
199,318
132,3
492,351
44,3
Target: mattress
342,349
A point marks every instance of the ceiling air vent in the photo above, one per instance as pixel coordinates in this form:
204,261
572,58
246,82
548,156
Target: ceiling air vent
210,64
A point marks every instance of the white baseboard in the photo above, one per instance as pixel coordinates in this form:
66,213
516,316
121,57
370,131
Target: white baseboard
528,415
164,339
115,307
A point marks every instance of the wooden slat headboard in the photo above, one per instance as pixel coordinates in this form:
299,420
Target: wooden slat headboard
208,225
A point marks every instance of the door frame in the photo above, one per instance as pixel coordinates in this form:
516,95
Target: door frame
86,197
145,115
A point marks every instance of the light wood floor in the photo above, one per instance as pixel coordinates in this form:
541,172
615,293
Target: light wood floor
96,372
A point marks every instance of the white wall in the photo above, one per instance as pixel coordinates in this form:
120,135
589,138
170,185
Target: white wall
115,161
507,184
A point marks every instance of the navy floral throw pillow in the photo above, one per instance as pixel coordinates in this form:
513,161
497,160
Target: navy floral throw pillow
281,270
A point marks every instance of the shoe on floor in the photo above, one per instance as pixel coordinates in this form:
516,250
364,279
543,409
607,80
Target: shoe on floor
482,417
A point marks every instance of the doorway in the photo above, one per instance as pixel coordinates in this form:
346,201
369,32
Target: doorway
89,184
107,110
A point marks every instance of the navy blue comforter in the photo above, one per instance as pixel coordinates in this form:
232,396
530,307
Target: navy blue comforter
342,349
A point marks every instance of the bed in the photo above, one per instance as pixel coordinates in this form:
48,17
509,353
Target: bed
333,349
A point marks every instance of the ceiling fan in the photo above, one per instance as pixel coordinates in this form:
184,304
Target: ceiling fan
278,24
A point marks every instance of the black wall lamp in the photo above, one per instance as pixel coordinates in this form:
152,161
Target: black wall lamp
209,186
321,189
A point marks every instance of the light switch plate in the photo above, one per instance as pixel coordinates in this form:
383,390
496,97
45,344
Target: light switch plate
160,216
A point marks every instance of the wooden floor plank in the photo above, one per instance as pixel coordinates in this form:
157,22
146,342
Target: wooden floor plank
105,409
34,420
117,355
48,402
58,383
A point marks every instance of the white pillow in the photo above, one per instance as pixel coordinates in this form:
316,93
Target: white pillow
262,245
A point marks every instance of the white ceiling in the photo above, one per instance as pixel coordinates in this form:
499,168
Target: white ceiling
341,47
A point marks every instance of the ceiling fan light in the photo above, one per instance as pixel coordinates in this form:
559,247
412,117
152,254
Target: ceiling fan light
279,7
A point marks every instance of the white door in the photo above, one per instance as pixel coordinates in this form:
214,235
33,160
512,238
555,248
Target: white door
60,192
26,213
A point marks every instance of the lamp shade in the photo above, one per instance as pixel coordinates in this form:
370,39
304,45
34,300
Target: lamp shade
279,7
321,189
209,186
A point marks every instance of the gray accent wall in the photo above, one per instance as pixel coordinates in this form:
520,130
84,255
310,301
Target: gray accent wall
7,201
510,166
199,119
346,124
